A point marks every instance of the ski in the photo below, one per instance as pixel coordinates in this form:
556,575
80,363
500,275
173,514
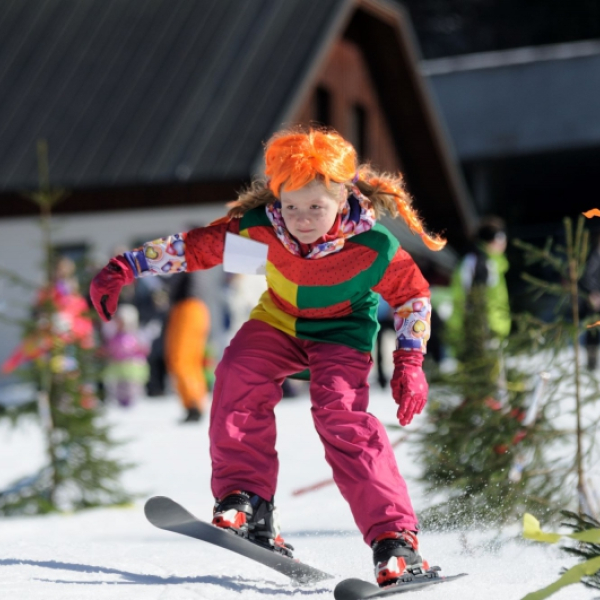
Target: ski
358,589
166,514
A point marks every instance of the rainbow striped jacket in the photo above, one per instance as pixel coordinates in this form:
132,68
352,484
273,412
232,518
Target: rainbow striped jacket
330,299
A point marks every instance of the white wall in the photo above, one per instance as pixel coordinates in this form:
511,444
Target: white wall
21,252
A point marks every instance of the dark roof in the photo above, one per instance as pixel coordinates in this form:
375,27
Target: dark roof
129,91
522,101
135,96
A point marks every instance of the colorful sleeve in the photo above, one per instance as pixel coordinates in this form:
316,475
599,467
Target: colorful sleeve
407,292
200,248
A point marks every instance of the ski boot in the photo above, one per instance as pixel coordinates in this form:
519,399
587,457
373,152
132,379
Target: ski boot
396,558
250,516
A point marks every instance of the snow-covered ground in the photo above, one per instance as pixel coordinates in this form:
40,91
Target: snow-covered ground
116,554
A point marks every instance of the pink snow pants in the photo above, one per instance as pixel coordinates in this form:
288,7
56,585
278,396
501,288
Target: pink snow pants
242,425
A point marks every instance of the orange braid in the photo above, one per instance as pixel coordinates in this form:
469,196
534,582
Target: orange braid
393,186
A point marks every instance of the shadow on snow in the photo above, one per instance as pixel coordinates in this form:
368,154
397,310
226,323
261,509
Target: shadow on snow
231,583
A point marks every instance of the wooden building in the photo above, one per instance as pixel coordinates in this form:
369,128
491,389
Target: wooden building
155,112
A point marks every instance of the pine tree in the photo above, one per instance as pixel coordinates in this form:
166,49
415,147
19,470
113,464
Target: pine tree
573,388
490,444
59,358
481,447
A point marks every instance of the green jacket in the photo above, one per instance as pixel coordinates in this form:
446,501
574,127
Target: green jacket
480,268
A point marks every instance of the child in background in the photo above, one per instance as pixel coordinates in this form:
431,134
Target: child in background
126,371
328,258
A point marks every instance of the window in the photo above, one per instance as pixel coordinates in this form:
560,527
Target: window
358,130
70,261
77,253
322,108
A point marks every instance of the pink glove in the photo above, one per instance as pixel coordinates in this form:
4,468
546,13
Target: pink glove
106,286
409,386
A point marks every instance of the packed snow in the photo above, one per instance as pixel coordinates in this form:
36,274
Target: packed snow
116,554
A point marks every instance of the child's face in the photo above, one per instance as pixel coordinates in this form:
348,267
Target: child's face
310,212
120,324
498,244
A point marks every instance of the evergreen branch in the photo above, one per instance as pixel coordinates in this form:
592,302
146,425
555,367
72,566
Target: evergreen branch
551,288
13,321
17,279
534,254
541,501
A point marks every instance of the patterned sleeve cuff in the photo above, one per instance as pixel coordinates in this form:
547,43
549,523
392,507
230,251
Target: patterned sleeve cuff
159,257
412,322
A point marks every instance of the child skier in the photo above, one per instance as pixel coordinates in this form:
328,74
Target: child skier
328,259
126,352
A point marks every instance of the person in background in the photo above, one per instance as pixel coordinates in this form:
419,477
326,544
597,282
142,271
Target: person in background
329,258
241,293
385,317
65,276
61,314
186,335
125,350
481,270
151,298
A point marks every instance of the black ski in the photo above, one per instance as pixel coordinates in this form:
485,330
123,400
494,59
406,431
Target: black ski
165,513
358,589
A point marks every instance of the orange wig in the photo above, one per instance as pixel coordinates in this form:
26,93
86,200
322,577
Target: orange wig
294,159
